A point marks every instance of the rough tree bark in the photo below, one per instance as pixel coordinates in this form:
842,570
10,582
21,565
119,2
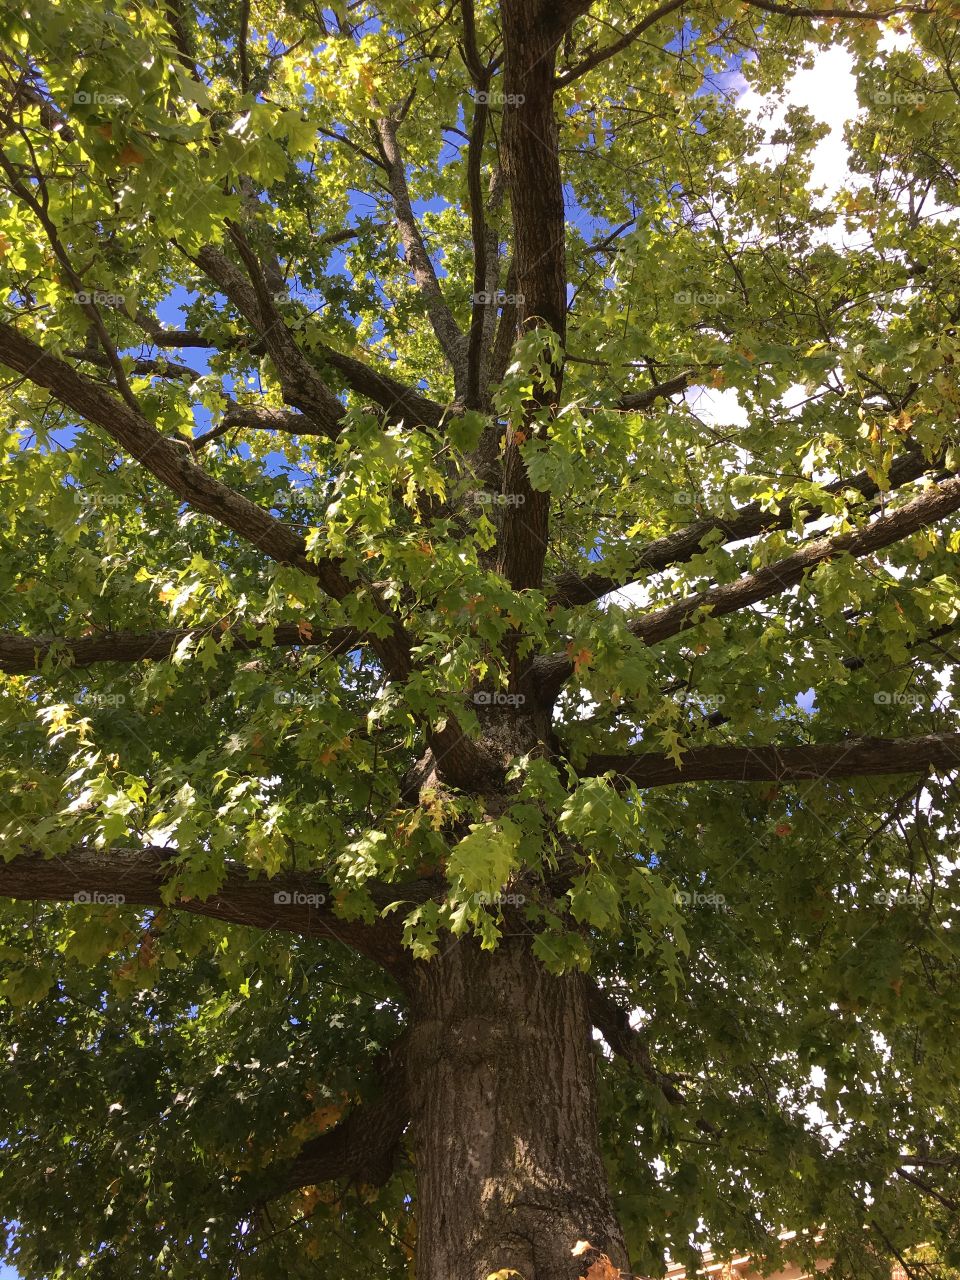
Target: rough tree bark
503,1093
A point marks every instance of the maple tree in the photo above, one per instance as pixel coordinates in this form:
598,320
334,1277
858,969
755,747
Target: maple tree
467,813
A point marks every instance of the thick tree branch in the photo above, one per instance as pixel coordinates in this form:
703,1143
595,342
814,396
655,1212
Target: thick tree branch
167,460
660,624
718,718
496,191
613,1023
301,383
24,655
863,15
749,522
462,760
662,391
299,903
393,396
506,330
849,758
161,337
398,400
24,92
934,504
478,229
363,1148
260,418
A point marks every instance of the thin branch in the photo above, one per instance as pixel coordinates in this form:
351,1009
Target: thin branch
350,145
662,391
418,259
600,56
142,366
613,1023
39,210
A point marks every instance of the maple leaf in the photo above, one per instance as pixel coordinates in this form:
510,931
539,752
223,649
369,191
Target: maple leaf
579,657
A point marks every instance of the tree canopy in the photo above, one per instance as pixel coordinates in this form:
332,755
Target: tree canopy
375,582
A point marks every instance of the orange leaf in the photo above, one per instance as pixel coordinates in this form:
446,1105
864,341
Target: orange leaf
129,154
783,829
305,628
603,1269
579,657
325,1117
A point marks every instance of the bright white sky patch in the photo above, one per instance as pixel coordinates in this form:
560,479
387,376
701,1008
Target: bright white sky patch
829,91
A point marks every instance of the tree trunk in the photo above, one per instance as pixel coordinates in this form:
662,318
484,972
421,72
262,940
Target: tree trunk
502,1080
